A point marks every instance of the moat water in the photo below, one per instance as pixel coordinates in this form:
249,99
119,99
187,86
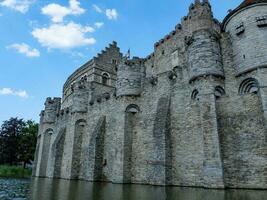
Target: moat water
49,189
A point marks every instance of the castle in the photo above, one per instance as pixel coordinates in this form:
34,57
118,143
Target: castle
192,113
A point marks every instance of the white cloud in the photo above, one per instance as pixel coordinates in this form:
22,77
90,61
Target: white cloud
25,49
58,12
64,36
99,24
22,94
97,9
6,91
12,92
112,14
18,5
55,11
75,7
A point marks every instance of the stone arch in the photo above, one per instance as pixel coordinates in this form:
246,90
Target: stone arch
105,78
249,85
219,92
79,131
194,95
45,151
58,150
130,123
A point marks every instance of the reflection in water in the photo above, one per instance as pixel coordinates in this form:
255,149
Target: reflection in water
46,189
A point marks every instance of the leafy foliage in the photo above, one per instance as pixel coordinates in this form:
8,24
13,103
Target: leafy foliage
27,142
17,141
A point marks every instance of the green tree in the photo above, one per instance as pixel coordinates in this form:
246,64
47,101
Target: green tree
27,142
9,139
3,156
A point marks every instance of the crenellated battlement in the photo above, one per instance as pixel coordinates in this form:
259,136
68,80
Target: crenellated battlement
199,17
150,56
52,102
133,65
169,36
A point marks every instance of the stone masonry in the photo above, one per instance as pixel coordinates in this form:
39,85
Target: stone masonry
192,113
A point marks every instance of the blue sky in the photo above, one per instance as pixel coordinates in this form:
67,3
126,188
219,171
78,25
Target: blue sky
43,41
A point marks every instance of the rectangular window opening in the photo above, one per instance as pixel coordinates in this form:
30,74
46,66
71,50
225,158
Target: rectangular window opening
261,21
240,29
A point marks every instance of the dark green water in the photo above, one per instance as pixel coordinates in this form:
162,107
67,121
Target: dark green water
49,189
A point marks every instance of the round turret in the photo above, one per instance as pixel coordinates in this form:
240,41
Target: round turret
202,41
129,77
52,107
204,54
247,26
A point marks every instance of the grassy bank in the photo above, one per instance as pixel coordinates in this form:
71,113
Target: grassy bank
14,172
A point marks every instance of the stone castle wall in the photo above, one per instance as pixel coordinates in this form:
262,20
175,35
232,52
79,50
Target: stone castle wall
183,116
249,38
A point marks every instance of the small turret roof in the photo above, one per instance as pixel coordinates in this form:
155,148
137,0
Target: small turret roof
244,4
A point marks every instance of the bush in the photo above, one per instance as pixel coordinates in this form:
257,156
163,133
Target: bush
14,172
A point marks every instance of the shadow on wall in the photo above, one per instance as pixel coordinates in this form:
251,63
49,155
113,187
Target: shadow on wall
58,149
162,159
45,152
79,131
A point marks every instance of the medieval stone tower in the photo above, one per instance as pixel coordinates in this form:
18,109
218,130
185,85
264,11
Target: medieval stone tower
192,113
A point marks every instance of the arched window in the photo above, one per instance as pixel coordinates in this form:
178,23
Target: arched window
105,79
249,85
194,95
132,109
219,92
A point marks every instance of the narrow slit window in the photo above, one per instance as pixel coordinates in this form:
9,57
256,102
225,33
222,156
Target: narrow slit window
239,29
261,21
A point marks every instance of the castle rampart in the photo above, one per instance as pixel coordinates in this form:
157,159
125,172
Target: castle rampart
192,113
